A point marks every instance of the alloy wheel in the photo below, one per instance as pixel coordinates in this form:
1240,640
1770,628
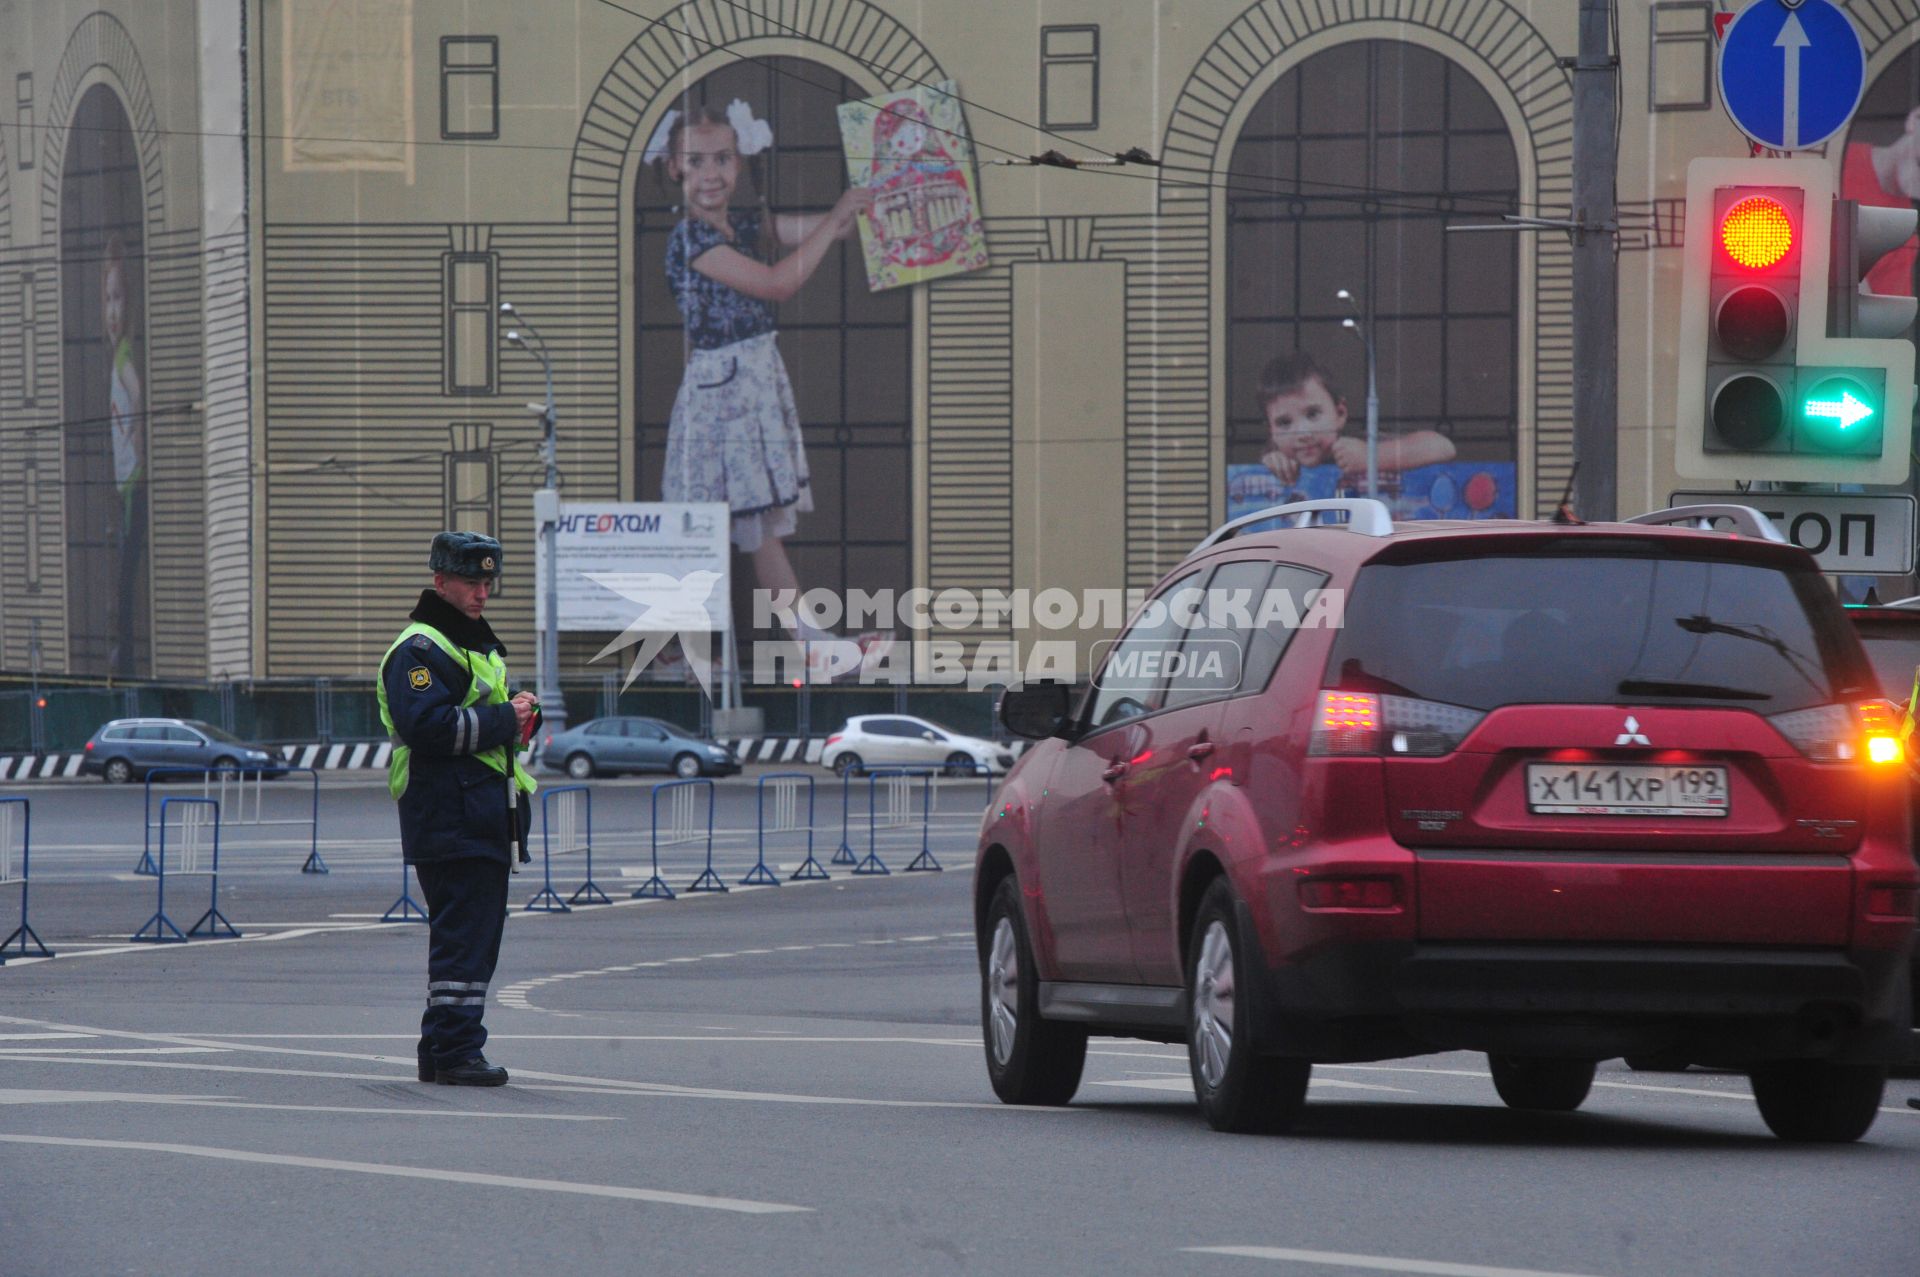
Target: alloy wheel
1213,1004
1003,989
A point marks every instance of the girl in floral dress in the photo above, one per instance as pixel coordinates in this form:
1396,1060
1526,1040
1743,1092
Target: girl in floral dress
734,436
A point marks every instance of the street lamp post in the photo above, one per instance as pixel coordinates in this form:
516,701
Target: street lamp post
1355,325
553,705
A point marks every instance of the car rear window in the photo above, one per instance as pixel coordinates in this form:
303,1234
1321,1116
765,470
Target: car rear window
1594,628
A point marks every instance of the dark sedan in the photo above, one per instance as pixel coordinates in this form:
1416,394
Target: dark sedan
605,746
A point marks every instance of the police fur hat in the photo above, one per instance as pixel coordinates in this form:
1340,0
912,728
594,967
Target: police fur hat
468,554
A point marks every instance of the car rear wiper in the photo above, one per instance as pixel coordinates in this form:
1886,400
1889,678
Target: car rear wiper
1666,687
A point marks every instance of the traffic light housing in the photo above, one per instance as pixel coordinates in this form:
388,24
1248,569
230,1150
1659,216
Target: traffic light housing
1787,369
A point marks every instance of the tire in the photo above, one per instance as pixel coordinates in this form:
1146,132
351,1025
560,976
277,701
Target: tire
224,761
1658,1063
580,766
848,763
959,764
1237,1090
1541,1086
686,766
1029,1060
117,771
1817,1101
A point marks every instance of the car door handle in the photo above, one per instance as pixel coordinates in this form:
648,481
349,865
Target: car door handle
1199,749
1114,772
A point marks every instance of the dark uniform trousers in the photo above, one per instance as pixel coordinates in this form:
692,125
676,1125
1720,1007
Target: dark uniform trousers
467,912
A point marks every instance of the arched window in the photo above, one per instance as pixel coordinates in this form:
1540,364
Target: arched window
104,375
1345,176
846,348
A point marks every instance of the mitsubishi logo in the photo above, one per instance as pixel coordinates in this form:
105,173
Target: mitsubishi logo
1632,735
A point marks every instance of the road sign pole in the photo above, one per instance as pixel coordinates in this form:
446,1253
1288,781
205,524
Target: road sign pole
1596,279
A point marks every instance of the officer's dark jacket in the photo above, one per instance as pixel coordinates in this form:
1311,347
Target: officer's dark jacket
454,805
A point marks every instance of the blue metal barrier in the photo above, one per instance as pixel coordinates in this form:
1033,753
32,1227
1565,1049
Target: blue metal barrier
547,900
313,864
24,933
680,813
873,864
408,909
844,855
786,814
589,889
162,928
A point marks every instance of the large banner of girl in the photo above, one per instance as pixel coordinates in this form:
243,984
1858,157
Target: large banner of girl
735,434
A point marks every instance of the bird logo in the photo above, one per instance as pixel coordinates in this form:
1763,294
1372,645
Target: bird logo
669,607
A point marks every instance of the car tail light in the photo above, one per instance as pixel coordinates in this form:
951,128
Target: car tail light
88,748
548,741
833,738
1362,723
1843,733
1348,893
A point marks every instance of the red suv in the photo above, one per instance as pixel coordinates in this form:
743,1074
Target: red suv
1557,793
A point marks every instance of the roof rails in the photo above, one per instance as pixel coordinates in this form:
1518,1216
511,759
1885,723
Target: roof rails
1365,515
1746,520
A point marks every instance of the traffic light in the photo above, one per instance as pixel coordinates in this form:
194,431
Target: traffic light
1788,370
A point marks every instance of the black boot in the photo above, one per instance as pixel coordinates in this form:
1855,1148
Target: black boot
424,1056
473,1072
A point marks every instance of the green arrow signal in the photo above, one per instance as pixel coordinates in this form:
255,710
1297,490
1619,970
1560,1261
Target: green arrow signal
1846,410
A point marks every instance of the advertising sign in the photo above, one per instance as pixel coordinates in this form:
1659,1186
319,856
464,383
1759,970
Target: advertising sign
645,565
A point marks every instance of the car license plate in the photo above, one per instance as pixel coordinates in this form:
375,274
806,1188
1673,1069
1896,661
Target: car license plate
1606,789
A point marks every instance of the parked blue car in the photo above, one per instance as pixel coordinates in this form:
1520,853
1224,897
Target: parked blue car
604,746
129,748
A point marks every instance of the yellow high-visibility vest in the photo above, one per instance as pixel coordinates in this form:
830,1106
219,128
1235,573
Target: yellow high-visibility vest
489,671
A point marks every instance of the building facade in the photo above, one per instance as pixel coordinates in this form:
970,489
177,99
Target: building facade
253,256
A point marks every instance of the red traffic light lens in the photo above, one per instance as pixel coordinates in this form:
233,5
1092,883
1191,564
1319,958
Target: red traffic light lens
1756,232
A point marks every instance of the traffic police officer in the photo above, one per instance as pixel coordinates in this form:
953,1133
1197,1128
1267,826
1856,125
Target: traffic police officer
463,795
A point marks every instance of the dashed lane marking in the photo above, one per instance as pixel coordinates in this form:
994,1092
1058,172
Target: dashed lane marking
735,1205
1374,1263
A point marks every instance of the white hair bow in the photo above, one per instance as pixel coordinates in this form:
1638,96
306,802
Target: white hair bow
657,145
751,136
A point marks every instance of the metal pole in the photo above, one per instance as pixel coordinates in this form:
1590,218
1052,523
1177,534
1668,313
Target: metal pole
1596,287
1373,421
553,705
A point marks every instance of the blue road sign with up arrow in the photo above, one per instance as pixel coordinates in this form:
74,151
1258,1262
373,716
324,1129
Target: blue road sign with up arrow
1791,75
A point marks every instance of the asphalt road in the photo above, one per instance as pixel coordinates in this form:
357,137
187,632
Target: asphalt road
780,1080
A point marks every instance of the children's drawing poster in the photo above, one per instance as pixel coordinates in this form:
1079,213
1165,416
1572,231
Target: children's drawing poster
912,151
1446,490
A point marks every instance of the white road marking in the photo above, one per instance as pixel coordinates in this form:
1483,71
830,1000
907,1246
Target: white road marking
1375,1263
39,1037
606,1086
111,1050
1185,1084
784,1035
216,1101
735,1205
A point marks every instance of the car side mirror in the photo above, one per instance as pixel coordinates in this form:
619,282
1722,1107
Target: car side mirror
1036,711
